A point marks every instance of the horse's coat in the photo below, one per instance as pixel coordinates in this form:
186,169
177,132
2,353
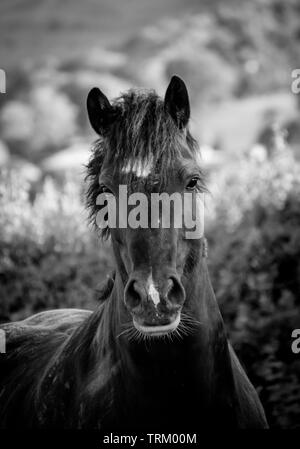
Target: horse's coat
154,355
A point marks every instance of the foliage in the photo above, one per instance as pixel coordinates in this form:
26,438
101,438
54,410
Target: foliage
44,119
255,268
228,49
48,257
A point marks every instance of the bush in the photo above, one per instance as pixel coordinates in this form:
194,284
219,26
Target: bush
48,256
31,127
255,267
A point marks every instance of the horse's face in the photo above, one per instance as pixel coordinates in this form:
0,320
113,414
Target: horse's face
153,248
155,258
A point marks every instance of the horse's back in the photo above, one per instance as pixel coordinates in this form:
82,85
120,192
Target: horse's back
57,319
38,331
30,345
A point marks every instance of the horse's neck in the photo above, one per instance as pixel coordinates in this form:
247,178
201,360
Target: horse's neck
196,368
204,352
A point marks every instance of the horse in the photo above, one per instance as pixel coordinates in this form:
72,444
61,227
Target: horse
154,355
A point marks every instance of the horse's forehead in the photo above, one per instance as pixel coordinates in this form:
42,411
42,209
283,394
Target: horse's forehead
145,167
140,167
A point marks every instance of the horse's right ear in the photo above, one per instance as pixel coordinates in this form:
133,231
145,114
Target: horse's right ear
99,110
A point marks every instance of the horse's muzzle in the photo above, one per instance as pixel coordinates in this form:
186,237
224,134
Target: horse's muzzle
158,330
155,307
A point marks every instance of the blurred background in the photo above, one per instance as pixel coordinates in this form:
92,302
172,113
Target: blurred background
236,58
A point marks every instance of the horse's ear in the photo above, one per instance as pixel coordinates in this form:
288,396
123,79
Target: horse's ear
177,101
100,111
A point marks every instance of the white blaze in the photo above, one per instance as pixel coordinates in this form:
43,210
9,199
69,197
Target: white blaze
153,293
140,168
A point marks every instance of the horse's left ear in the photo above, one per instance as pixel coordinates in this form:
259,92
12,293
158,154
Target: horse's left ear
177,101
100,111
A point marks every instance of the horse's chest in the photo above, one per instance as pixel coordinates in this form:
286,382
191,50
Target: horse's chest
161,403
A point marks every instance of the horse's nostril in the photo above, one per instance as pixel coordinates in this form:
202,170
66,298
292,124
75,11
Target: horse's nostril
133,294
176,293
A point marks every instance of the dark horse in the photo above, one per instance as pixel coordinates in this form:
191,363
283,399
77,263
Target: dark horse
154,355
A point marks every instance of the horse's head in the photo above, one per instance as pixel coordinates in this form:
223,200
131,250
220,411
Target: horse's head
145,150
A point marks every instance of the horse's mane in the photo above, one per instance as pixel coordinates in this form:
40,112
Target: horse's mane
142,131
105,288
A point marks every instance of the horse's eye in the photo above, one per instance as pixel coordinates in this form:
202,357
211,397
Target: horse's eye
192,184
